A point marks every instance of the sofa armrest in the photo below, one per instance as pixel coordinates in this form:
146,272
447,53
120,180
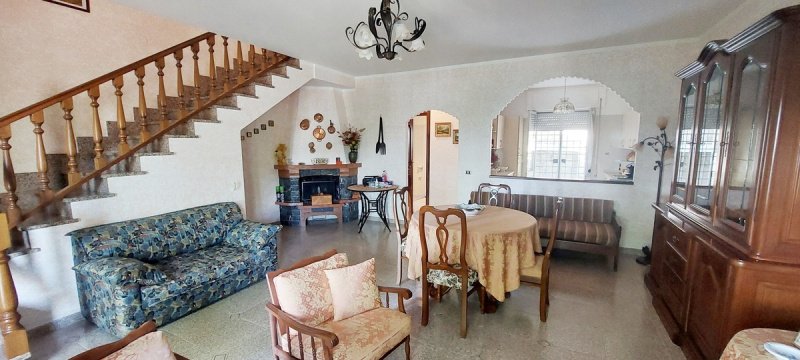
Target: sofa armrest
121,271
251,235
617,226
402,294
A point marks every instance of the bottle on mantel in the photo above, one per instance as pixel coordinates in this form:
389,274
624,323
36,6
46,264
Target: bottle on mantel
385,176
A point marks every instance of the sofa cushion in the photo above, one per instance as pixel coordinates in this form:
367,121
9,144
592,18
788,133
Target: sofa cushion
580,231
157,237
589,210
368,335
305,294
187,271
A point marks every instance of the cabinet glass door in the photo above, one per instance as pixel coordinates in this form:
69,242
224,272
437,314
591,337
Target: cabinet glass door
744,142
684,147
709,137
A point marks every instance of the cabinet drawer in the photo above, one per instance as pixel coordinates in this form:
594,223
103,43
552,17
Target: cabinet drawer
676,262
679,240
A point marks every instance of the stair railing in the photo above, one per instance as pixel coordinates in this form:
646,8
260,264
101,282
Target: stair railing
206,88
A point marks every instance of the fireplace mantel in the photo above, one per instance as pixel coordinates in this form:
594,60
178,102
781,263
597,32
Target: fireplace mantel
286,171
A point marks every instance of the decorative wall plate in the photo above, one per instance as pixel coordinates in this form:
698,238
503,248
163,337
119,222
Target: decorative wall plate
312,150
304,124
311,144
318,117
319,133
328,145
331,128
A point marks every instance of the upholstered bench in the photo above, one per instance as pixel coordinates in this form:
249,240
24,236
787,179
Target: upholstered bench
587,225
165,266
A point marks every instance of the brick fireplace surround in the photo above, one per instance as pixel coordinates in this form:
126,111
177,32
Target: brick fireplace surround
294,212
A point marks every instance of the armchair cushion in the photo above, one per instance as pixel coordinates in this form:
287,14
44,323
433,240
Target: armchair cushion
305,294
121,270
152,346
368,335
354,289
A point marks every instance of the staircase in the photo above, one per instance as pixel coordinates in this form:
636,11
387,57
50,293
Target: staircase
178,144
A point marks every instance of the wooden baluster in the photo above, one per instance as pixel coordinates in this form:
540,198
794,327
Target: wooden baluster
144,134
97,130
195,50
162,94
251,58
226,62
212,68
15,338
9,177
181,99
240,60
46,193
121,122
264,62
73,176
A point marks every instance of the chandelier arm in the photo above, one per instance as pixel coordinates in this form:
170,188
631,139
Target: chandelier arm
419,29
350,34
403,46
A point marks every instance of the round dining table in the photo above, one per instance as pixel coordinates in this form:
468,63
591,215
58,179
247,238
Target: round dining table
500,243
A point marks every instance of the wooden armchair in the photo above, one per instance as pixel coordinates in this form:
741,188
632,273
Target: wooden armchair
494,195
539,274
442,273
401,216
352,338
102,351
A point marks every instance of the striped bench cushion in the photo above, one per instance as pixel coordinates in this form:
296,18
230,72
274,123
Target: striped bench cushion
580,231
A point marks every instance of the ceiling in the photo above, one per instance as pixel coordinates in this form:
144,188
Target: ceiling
458,31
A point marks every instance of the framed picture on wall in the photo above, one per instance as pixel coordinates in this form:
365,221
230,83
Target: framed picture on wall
82,5
442,129
455,136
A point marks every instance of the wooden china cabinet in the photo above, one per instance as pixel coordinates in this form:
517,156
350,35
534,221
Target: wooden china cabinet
726,246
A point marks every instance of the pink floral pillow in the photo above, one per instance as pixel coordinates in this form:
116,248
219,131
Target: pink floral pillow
304,292
354,289
152,346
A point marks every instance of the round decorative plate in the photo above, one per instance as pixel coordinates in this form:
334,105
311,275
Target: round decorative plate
312,150
304,124
311,144
318,117
331,128
319,133
328,145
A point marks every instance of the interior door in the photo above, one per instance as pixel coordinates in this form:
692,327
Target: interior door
418,160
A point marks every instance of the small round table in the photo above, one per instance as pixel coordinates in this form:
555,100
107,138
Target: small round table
377,205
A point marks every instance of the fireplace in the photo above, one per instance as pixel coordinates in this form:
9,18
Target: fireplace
319,184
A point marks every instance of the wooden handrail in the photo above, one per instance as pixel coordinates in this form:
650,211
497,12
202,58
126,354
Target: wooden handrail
184,117
55,99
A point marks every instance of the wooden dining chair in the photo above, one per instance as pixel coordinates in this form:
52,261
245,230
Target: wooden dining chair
539,274
401,216
493,195
443,273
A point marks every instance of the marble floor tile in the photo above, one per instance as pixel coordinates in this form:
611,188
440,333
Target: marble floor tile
595,313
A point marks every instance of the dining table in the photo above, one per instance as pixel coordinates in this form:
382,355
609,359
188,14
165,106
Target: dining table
500,243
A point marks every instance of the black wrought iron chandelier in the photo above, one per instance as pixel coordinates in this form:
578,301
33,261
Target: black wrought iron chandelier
395,32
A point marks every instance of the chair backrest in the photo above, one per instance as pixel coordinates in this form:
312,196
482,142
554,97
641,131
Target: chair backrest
442,239
494,195
555,221
401,212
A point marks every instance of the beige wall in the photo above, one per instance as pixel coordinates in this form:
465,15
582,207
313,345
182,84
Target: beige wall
444,163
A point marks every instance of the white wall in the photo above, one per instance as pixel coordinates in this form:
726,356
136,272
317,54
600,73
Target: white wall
258,150
420,158
444,163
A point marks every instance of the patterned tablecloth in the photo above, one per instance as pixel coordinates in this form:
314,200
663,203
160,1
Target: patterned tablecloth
500,243
749,344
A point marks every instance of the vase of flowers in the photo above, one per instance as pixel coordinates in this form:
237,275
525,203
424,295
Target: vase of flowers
351,138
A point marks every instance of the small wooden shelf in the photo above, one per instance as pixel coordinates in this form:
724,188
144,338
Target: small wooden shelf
341,202
285,171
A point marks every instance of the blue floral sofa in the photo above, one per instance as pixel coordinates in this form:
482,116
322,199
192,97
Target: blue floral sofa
165,266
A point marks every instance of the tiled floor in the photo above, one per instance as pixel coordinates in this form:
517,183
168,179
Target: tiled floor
594,313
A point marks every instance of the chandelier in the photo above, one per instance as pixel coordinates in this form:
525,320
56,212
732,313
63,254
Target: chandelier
394,30
564,106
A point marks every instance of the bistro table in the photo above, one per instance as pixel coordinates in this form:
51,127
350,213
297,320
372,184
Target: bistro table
377,205
500,243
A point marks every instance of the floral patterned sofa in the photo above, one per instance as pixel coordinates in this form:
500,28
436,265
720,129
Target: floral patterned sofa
165,266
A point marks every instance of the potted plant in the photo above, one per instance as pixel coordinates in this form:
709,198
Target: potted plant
351,137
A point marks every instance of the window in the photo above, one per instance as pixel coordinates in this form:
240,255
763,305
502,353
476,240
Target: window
558,145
